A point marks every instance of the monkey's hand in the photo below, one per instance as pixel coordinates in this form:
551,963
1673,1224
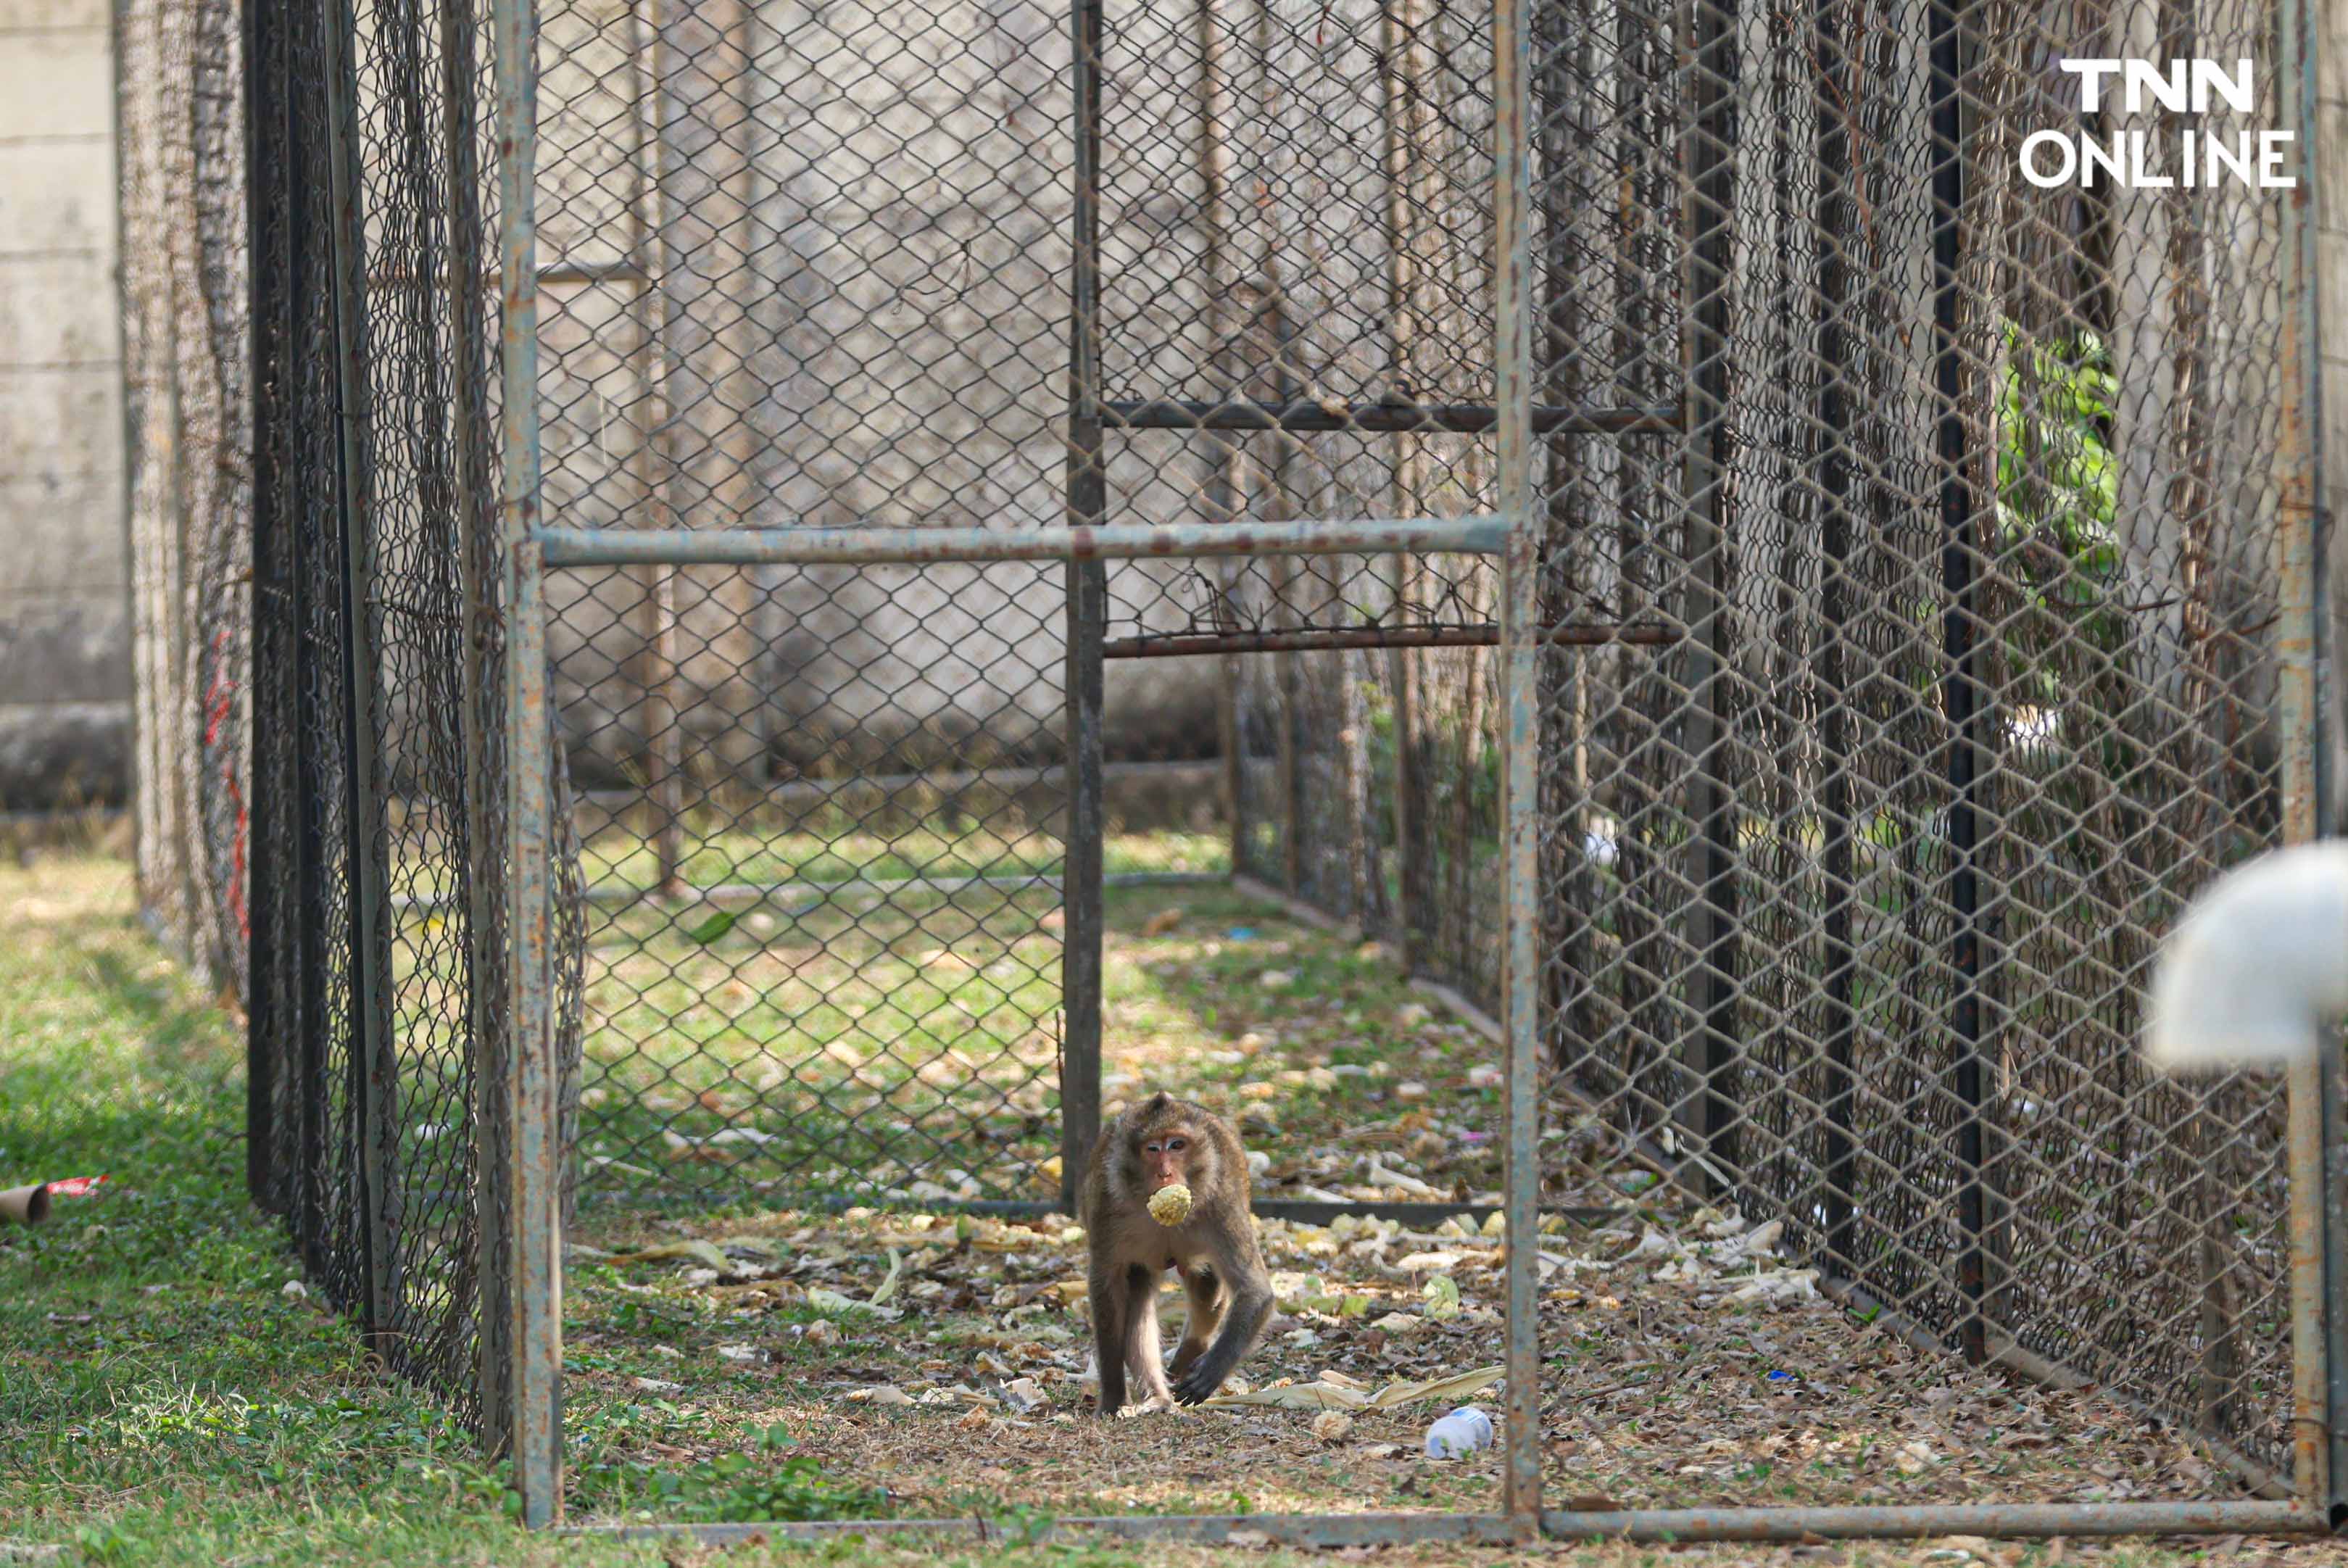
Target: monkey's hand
1199,1383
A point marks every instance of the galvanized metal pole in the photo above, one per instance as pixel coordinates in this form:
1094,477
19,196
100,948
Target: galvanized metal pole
1960,690
1088,603
2313,1148
1521,756
529,1165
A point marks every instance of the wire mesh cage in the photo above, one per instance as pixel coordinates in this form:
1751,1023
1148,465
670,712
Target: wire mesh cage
1979,552
1646,509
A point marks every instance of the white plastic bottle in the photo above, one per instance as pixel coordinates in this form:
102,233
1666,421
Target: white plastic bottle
1463,1432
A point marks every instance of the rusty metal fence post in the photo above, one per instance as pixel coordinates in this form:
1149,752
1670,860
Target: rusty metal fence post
1520,657
1081,866
2318,1158
525,1172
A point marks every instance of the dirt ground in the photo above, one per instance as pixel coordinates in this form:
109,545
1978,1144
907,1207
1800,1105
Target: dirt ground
945,1361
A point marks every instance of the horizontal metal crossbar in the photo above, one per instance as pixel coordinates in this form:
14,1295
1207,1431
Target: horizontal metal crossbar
1383,419
808,893
1481,534
1191,643
1658,1524
1299,1210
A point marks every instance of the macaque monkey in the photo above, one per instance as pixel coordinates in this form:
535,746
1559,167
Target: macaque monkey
1158,1143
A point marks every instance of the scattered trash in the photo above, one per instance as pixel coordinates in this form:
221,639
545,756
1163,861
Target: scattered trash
30,1205
295,1290
1779,1287
1331,1426
1379,1176
1462,1432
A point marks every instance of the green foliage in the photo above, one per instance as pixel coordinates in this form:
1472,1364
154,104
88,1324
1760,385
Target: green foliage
2057,481
715,926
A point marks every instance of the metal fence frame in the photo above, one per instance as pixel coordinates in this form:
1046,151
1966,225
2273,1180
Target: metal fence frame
531,1217
316,808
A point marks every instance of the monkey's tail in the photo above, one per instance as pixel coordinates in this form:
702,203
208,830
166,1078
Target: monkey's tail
2257,971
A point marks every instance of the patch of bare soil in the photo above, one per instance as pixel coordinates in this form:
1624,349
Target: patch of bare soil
945,1360
948,1360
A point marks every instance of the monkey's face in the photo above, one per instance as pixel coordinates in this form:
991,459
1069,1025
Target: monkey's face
1174,1152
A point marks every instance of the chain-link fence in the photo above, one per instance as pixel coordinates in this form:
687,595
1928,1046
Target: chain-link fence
1900,682
318,631
1916,613
1976,541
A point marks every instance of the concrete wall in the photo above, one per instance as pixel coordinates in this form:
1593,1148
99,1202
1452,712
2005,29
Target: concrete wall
64,639
861,213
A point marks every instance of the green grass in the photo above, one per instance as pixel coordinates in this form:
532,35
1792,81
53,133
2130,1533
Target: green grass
161,1398
844,1016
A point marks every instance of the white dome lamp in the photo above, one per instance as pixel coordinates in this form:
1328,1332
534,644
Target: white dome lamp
2256,974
